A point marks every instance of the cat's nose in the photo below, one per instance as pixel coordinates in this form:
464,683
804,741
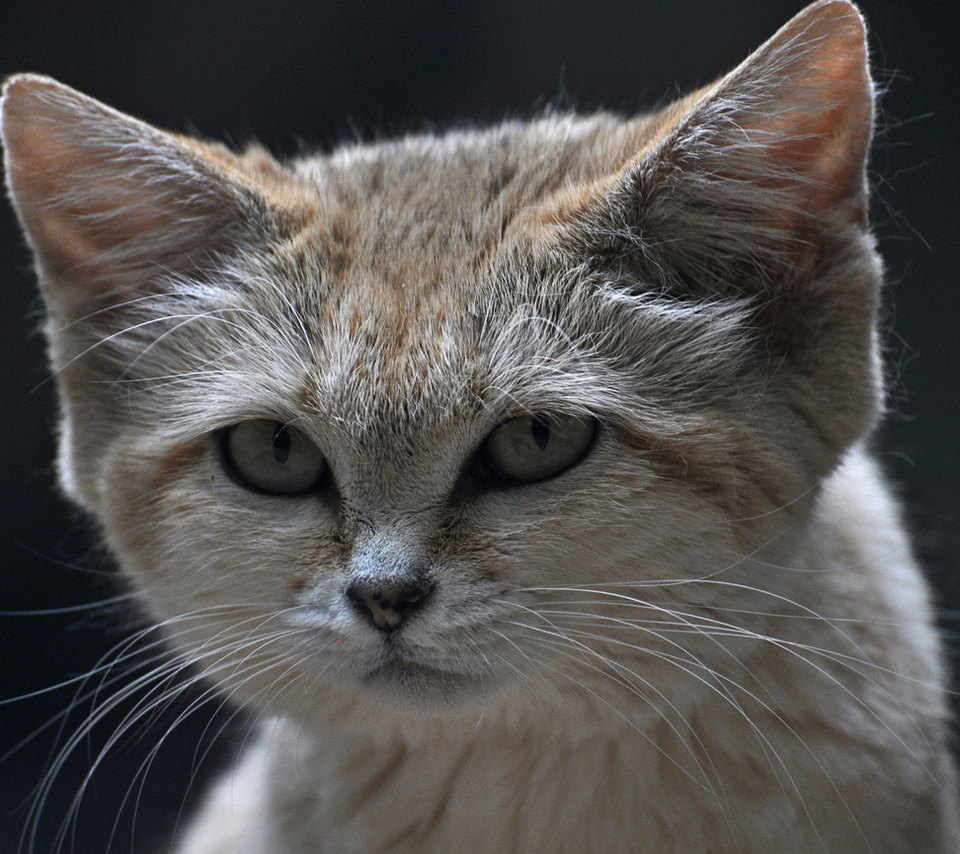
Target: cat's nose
387,603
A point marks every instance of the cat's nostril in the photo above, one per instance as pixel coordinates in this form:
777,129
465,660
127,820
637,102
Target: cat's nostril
388,603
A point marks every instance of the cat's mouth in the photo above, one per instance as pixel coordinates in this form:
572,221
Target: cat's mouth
400,672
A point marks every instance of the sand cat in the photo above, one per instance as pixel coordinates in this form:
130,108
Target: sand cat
514,478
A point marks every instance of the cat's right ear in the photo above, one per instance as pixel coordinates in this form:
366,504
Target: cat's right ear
109,203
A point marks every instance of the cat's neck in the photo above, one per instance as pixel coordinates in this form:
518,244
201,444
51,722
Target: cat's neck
462,788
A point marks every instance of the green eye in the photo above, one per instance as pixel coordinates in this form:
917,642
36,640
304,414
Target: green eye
535,447
272,457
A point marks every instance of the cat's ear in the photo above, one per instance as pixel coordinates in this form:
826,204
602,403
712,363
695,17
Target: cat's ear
109,203
753,192
760,167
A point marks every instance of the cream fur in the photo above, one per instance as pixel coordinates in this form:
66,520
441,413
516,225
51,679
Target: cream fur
708,636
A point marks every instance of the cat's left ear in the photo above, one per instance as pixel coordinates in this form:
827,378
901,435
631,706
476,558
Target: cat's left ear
753,192
759,167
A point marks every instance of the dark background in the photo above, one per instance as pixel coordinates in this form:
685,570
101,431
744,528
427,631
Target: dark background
290,74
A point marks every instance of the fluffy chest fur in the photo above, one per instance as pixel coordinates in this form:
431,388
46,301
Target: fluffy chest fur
515,478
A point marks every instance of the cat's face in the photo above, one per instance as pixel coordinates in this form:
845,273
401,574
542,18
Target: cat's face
504,410
402,490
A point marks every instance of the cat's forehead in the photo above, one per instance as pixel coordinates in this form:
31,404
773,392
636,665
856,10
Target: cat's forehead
410,267
417,211
511,163
392,365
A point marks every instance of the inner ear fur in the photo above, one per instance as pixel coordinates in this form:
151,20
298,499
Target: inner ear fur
756,174
109,203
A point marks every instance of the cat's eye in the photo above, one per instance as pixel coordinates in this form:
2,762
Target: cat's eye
535,447
269,456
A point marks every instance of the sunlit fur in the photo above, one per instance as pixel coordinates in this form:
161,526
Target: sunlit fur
709,635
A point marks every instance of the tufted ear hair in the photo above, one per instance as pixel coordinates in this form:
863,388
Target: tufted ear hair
109,203
758,172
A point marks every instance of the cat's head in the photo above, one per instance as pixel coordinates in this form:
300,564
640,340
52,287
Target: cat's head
461,411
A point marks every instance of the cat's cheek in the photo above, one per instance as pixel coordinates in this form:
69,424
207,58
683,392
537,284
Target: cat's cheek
136,488
554,533
168,513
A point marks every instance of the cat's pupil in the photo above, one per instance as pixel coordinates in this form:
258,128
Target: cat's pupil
541,432
281,444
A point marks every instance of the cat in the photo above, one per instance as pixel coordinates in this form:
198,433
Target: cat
516,479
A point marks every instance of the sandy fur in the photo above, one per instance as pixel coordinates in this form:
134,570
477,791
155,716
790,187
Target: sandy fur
707,636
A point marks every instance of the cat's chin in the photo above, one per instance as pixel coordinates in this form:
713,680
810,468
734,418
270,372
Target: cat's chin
415,681
422,684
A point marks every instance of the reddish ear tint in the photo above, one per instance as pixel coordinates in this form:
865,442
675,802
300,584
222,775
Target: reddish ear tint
107,201
803,104
748,163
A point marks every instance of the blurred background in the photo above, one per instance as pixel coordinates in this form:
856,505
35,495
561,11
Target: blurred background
298,74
